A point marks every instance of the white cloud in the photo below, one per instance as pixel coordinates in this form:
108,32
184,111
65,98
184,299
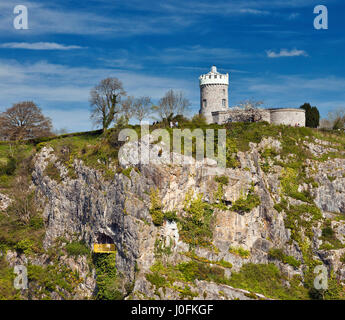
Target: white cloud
73,120
286,53
293,16
58,18
38,46
197,53
291,91
254,11
63,91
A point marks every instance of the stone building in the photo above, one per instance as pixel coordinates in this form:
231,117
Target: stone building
213,93
214,105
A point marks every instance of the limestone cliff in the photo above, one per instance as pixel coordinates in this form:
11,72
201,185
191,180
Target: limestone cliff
268,214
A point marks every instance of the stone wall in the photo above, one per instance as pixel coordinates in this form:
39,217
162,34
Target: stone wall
239,114
292,117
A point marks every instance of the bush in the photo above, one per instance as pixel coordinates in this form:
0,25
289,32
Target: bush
156,208
53,172
9,168
247,204
196,222
240,252
224,180
267,280
36,223
107,281
24,246
77,248
279,255
170,215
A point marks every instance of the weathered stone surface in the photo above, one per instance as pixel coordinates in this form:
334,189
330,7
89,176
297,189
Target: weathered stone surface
5,201
119,209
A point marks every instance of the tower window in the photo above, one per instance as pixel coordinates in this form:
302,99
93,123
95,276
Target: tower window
204,102
223,91
215,76
224,102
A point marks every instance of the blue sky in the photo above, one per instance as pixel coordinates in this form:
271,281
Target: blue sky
269,47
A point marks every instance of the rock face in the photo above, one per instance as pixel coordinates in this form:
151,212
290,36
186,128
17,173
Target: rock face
119,210
5,201
330,195
83,290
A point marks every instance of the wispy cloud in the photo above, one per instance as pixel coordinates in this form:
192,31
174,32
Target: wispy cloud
60,90
197,53
293,16
58,18
291,91
286,53
38,46
126,18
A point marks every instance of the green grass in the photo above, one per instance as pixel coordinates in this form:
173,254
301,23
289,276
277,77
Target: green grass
279,255
267,280
328,236
77,248
248,203
240,252
53,172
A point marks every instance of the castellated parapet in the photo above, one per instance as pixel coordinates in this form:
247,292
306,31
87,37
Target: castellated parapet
214,95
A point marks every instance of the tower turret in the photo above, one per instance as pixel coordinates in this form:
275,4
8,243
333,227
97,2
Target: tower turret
214,95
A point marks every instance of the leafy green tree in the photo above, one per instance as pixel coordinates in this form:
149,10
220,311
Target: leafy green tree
312,115
105,101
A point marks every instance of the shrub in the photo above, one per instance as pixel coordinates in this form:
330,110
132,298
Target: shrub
127,172
77,248
196,221
342,258
9,167
222,180
240,252
170,215
107,280
279,255
267,280
156,208
36,223
53,172
24,246
247,204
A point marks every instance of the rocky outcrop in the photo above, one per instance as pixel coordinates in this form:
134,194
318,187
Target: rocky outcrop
84,289
119,211
5,201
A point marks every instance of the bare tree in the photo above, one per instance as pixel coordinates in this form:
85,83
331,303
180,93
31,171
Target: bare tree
142,108
24,120
337,118
250,104
246,111
173,103
127,108
105,101
326,124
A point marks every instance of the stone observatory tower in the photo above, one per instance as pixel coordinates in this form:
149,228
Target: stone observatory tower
214,94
